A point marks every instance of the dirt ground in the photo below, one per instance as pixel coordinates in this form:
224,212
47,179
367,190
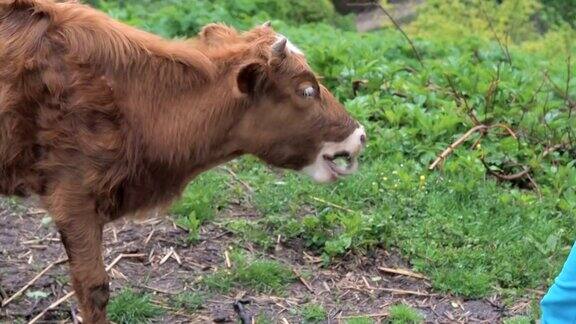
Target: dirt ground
353,286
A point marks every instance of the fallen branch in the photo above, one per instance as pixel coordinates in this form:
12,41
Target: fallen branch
123,256
237,179
509,177
3,294
31,282
303,281
534,184
457,143
332,204
227,259
376,315
403,272
51,307
175,311
394,291
158,290
553,148
70,294
167,256
405,292
241,311
506,177
508,129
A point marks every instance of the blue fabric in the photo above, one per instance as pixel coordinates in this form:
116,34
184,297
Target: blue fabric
559,304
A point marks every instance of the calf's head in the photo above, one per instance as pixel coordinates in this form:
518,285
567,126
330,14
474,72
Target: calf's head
290,120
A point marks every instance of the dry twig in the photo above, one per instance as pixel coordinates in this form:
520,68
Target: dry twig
167,256
397,25
503,47
403,272
507,177
70,294
376,315
51,307
241,312
303,281
393,291
458,97
227,259
31,282
332,204
457,143
237,179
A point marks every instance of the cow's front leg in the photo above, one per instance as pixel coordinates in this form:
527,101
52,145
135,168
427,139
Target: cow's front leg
82,238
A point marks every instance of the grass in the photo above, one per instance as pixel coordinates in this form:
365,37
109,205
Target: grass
131,307
403,314
313,313
247,272
360,320
518,320
251,231
221,281
470,233
447,228
189,301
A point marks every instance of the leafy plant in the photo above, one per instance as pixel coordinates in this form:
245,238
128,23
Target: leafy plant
199,202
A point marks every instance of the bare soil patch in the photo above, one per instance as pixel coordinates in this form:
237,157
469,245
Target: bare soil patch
353,286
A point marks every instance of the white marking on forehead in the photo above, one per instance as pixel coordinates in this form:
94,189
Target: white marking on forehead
289,45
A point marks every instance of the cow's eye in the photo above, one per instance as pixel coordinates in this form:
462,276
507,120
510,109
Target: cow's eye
309,92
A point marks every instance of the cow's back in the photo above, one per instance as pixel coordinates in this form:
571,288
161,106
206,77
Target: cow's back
21,37
83,98
52,110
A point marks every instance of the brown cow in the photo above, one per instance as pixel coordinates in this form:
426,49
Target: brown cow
102,120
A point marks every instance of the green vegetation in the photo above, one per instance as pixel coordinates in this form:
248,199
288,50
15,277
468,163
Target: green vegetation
251,231
131,307
260,275
313,313
463,224
200,202
184,18
360,320
518,320
189,301
403,314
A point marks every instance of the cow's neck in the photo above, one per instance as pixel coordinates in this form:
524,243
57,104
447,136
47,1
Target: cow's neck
189,130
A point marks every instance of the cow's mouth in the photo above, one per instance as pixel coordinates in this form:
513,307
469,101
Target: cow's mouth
337,159
341,163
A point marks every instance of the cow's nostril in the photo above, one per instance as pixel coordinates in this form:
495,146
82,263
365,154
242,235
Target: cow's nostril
363,139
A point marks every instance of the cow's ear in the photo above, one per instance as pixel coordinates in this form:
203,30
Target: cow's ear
250,78
279,48
214,33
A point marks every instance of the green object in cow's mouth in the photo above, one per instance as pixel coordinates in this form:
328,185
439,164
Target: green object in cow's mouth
342,160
